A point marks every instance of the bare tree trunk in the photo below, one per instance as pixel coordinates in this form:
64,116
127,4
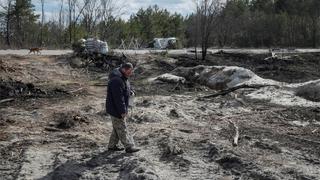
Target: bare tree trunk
61,16
195,52
8,31
196,35
207,10
70,20
204,52
8,19
74,19
20,33
314,32
42,22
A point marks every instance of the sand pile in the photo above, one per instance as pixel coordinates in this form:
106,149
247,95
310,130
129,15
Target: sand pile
224,77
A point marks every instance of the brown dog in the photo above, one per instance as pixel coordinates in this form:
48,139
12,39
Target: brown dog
34,50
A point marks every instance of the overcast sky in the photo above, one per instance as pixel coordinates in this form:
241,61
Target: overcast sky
183,7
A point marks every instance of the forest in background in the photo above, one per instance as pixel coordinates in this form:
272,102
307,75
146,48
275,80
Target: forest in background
212,23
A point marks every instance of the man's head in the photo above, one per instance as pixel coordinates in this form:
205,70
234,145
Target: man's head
126,69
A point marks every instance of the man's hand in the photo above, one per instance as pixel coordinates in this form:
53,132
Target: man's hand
132,93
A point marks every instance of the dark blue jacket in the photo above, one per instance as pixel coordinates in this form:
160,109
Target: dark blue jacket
118,94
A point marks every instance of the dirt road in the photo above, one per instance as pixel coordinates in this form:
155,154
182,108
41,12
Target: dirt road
23,52
55,128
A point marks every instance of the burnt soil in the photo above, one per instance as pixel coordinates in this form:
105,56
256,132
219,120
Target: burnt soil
64,135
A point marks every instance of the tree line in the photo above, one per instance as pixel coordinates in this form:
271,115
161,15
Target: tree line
213,23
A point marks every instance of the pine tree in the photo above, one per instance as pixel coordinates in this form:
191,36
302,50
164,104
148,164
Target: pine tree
24,19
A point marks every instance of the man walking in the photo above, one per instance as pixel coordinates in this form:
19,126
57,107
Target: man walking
118,95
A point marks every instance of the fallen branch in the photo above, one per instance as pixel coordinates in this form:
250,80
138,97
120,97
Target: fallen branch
74,91
6,100
52,129
175,87
314,131
236,136
227,91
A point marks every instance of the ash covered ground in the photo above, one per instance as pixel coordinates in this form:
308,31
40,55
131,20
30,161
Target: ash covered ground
53,124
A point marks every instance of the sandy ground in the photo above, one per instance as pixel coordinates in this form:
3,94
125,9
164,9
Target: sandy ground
58,129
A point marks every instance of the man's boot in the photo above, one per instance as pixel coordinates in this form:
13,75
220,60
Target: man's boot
132,150
116,149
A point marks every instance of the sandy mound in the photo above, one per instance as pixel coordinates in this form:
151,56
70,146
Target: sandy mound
299,94
222,77
309,91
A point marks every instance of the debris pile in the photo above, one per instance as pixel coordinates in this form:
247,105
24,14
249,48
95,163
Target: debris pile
67,120
5,67
15,89
172,150
97,61
18,89
90,46
94,54
94,45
